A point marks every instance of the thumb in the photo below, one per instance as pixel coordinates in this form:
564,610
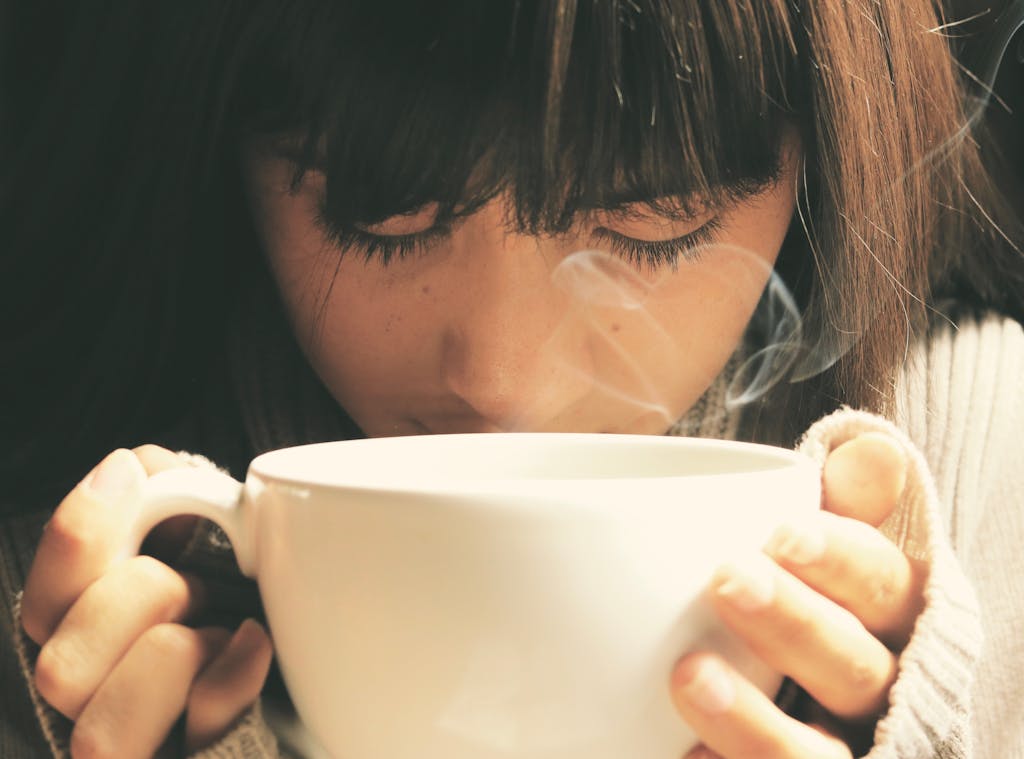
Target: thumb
168,539
864,477
228,686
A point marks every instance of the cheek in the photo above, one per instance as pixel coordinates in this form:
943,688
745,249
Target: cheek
690,324
367,348
381,330
693,318
325,296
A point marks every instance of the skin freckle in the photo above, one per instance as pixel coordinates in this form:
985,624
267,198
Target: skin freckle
479,330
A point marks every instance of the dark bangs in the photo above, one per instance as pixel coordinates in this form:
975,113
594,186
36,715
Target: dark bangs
564,107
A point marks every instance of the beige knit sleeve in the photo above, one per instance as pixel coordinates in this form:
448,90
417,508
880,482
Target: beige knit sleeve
962,402
250,738
929,707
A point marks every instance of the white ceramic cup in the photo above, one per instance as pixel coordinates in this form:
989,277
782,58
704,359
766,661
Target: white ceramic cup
494,596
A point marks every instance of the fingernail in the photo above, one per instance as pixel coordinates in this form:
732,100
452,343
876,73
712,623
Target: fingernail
116,474
709,688
747,587
864,478
797,543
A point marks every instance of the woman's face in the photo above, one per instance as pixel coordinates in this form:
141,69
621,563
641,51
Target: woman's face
486,329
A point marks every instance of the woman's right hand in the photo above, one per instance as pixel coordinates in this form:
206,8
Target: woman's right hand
117,655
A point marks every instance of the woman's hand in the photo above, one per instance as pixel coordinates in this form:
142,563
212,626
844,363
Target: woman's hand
831,602
117,655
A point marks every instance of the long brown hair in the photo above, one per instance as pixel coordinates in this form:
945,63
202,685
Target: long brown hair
907,214
134,290
901,218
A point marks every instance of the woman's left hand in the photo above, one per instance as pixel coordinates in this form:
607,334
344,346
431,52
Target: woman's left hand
830,603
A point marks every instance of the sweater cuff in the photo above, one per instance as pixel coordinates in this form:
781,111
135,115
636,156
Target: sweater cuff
249,738
55,726
929,703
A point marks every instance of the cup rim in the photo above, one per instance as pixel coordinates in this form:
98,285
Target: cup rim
271,466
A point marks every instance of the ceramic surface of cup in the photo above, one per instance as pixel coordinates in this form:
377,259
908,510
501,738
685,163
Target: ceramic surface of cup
500,596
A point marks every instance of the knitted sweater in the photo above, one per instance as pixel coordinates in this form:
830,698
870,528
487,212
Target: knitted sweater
960,690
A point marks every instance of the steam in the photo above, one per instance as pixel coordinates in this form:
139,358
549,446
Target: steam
625,314
780,348
599,284
777,328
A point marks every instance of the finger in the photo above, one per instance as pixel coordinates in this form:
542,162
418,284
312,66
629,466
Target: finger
137,705
857,567
858,736
79,542
796,630
864,477
155,458
228,686
735,719
104,623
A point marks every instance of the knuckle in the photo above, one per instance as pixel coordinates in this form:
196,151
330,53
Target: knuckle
55,680
861,675
884,589
69,533
867,686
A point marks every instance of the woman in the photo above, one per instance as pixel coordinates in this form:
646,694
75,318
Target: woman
419,182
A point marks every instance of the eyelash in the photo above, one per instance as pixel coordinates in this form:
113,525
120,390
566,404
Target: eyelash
652,254
386,248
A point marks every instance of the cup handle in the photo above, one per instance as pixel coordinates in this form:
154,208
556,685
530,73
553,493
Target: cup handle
200,491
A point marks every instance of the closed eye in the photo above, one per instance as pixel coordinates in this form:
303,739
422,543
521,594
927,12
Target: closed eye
404,235
654,254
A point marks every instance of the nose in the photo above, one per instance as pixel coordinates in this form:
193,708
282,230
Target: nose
512,353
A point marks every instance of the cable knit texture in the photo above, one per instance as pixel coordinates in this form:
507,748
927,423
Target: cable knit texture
959,412
929,699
